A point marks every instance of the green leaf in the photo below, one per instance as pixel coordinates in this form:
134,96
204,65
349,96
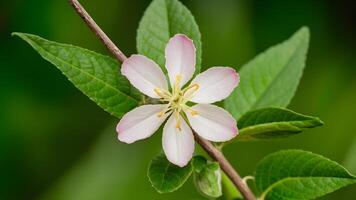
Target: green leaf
299,175
199,162
97,76
207,177
166,177
162,20
270,79
271,123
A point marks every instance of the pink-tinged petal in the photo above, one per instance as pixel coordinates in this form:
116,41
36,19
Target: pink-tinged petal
215,84
144,74
140,123
178,144
180,59
212,122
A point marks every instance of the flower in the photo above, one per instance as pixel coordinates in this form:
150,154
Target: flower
208,121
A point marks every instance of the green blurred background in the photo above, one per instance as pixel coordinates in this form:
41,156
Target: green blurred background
57,144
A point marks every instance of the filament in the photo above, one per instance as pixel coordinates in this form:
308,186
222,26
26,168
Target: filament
190,110
179,123
167,108
163,94
189,91
176,88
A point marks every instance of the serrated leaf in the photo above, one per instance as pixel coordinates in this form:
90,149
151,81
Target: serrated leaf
161,20
166,177
96,75
271,78
299,175
208,180
271,123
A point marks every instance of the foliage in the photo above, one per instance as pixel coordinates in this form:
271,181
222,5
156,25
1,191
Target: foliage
165,176
268,83
94,74
271,78
270,123
162,20
296,174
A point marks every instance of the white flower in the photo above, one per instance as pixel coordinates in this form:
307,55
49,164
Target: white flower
208,121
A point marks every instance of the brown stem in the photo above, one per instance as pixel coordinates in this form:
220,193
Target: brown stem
225,165
97,30
206,145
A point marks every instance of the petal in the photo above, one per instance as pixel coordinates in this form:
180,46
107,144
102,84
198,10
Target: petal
215,84
140,123
180,59
212,123
144,74
178,144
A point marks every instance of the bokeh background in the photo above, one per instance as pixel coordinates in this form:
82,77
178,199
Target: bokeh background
56,144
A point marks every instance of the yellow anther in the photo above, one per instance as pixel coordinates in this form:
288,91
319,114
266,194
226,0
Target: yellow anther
162,93
160,114
179,123
178,126
165,110
157,91
194,87
193,112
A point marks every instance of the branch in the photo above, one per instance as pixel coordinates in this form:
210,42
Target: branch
97,30
226,167
206,145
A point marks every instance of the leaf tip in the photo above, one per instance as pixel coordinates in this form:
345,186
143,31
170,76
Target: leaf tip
319,122
15,34
305,29
305,32
19,34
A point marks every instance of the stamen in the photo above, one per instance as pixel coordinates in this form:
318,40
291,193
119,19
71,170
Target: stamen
165,110
178,125
163,93
176,88
160,114
178,78
191,111
194,112
189,91
195,87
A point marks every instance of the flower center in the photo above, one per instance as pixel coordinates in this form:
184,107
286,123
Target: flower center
177,100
